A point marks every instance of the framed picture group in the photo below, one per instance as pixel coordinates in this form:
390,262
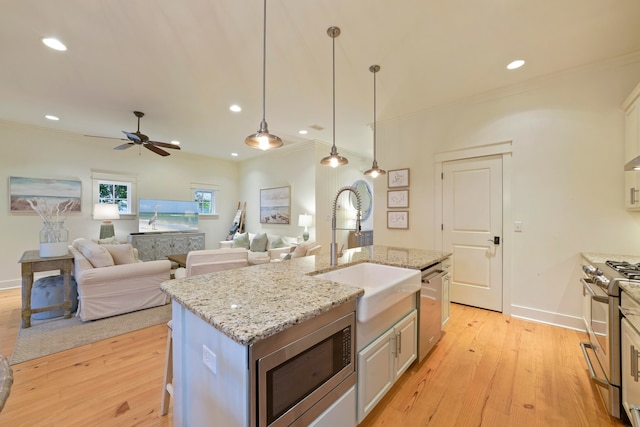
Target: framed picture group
398,198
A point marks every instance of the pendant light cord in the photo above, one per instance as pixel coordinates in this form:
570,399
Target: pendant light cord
374,118
264,61
334,94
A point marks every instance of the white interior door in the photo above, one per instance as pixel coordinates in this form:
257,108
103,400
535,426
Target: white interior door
472,219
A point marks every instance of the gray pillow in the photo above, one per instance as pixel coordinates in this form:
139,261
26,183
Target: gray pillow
241,241
259,243
278,243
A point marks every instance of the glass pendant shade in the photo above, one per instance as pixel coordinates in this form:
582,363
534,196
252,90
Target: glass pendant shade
375,170
334,159
263,140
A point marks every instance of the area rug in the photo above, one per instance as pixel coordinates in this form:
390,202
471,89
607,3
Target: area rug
51,336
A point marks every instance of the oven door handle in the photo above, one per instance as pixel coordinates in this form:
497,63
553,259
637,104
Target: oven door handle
592,372
597,298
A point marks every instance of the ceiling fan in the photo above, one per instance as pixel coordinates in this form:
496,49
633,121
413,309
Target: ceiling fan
137,138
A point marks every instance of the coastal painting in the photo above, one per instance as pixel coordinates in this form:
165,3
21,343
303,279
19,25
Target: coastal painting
56,194
275,205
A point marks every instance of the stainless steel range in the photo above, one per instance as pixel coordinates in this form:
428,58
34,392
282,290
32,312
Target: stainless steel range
601,299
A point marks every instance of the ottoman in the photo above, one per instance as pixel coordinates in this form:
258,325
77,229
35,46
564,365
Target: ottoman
49,291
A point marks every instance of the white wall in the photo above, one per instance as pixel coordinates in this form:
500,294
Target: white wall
41,153
566,184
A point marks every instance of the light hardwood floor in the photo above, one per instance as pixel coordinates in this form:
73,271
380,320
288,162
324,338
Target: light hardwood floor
488,370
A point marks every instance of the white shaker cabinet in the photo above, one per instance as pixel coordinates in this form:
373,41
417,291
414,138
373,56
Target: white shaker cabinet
383,361
631,109
446,299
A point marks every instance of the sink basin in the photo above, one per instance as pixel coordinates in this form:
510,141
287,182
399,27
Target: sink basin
383,285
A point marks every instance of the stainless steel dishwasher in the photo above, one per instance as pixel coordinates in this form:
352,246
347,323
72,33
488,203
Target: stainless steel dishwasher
430,309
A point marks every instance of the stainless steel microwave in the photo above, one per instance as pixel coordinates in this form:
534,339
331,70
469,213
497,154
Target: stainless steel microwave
300,369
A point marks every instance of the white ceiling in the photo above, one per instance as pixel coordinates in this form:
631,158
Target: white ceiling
184,63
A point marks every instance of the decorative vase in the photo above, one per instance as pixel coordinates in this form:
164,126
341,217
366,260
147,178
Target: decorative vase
54,239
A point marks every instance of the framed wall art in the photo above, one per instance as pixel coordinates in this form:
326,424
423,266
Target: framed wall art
275,205
53,195
398,198
398,219
398,178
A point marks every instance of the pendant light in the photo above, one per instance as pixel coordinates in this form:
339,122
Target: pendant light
262,139
375,170
334,159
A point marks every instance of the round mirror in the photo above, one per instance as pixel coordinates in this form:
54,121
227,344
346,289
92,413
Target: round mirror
366,198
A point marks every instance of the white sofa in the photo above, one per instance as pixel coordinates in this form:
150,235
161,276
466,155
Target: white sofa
111,280
212,260
265,248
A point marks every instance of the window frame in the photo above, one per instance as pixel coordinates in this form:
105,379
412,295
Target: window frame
208,188
131,181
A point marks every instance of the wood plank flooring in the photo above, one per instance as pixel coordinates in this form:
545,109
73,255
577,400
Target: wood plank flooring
488,370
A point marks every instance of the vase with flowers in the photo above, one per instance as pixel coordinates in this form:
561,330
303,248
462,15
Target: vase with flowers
54,236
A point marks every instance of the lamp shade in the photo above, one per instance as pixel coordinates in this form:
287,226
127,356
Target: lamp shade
305,220
105,211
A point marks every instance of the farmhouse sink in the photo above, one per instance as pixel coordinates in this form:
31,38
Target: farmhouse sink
383,285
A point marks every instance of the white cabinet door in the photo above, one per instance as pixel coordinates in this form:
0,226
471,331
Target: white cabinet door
406,338
375,373
630,348
382,362
632,148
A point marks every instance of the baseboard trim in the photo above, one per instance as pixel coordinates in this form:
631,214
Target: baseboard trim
547,317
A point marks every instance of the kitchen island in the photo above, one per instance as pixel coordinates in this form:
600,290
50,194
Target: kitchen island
218,317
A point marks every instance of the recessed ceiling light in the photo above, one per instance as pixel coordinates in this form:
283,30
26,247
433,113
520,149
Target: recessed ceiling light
54,43
50,117
303,132
234,154
175,142
515,64
235,108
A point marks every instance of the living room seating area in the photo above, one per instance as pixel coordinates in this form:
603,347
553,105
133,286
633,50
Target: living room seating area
111,280
261,247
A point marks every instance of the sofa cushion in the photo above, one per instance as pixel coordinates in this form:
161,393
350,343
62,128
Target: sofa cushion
259,243
241,241
121,254
277,242
301,249
96,254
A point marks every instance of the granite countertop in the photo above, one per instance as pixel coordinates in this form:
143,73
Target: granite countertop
251,303
633,289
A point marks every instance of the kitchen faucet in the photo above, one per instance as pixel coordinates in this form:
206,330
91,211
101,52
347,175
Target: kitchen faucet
334,245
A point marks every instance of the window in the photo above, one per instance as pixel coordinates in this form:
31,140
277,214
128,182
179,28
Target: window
115,193
115,188
205,195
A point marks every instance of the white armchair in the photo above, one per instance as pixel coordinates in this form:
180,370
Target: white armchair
212,260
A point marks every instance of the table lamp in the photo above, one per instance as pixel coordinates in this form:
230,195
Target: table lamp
106,212
305,221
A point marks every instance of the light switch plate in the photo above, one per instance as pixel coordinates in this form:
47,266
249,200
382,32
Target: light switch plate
209,359
517,226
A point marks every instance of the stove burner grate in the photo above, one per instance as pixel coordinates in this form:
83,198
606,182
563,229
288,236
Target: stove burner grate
627,269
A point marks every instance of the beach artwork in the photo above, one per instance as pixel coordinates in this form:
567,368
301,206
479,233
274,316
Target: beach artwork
48,194
167,215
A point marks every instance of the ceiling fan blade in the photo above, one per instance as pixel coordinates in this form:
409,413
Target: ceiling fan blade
123,146
156,149
164,144
106,137
133,137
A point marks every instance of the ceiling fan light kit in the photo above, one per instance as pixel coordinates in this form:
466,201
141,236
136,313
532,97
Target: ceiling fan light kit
262,139
375,170
334,159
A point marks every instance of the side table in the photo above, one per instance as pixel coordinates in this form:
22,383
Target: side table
33,263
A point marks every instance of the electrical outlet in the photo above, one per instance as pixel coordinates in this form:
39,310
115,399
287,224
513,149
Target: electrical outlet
517,226
209,359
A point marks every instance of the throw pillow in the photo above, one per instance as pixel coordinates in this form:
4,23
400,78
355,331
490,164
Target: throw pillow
241,241
107,241
301,249
121,254
278,243
96,254
259,243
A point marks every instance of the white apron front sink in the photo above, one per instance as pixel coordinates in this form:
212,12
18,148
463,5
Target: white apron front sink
383,285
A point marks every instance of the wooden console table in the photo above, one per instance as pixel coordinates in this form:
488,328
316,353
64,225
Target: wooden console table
180,259
32,263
